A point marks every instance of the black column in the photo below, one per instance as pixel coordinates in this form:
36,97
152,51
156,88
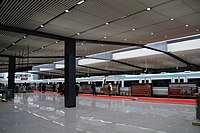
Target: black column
11,75
70,71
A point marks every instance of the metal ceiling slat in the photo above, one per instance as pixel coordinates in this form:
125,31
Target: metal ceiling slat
12,13
30,9
6,11
16,11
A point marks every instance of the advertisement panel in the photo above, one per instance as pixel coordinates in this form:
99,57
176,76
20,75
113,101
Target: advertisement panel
86,88
141,90
182,90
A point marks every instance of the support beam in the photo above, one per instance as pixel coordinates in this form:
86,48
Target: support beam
127,64
108,42
173,56
11,75
58,37
31,32
70,72
120,62
94,68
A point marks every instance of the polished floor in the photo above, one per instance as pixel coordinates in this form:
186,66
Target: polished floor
44,113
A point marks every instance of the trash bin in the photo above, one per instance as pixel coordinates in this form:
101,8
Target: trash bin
198,106
197,121
6,95
3,96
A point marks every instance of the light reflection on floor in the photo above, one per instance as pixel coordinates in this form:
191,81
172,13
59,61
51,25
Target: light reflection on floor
37,112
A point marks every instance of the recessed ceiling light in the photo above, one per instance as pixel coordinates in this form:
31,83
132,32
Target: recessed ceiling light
102,45
41,26
80,2
165,36
13,44
42,47
125,39
123,17
107,23
140,41
78,34
133,29
105,37
186,25
56,41
81,43
66,10
24,36
172,19
152,33
148,9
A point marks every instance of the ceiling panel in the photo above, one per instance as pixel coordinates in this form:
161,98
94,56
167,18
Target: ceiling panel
192,20
175,8
191,56
194,4
88,48
160,61
151,3
111,9
113,66
142,19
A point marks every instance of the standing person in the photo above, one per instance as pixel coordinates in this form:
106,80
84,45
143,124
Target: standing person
54,87
109,88
43,87
93,87
77,89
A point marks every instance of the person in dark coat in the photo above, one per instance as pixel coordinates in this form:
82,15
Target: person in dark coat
43,87
93,87
77,89
54,87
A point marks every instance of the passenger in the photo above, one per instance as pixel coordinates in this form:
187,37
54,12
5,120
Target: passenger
109,88
93,87
43,87
77,89
63,88
54,87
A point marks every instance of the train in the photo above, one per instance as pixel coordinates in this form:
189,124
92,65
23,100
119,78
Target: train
124,84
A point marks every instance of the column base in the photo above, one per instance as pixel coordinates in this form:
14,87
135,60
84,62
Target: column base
196,123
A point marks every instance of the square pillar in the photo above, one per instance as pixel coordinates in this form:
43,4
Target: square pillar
70,73
11,75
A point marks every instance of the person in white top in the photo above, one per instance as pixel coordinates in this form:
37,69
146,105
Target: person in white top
109,88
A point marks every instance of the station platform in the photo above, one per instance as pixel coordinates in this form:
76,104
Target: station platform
45,113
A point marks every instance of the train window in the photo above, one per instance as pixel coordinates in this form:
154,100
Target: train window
161,83
181,80
197,81
83,83
98,83
176,80
129,83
